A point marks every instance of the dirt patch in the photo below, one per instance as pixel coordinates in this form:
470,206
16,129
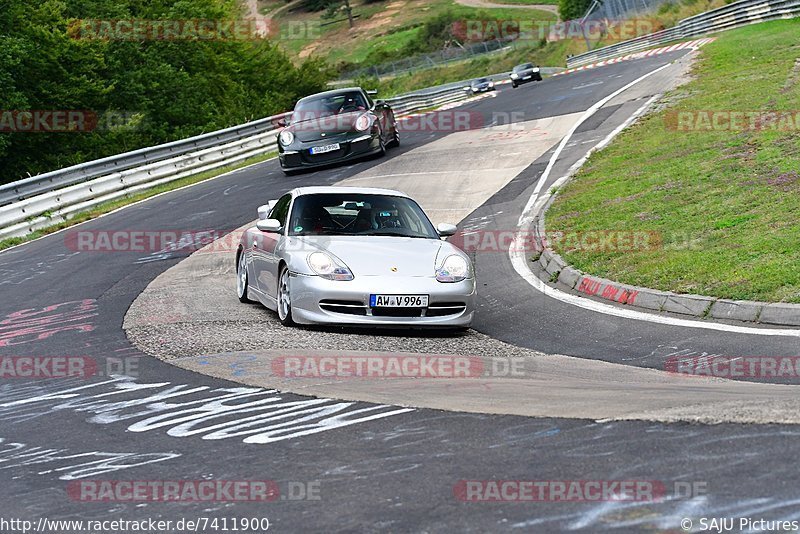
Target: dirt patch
369,26
794,76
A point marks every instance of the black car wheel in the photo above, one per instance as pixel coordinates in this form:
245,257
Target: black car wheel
382,151
514,85
395,137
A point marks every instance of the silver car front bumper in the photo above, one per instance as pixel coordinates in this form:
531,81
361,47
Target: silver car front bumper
316,300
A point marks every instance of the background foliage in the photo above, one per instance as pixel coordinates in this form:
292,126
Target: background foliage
165,90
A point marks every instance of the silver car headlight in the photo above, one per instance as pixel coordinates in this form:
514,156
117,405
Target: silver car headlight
536,69
454,268
326,267
491,84
514,75
286,138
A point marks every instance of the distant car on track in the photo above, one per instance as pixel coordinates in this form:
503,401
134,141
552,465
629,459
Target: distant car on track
524,73
481,85
361,256
336,126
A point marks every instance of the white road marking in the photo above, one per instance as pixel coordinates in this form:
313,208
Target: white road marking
535,204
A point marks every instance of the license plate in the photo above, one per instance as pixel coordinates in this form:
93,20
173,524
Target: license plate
324,149
527,77
398,301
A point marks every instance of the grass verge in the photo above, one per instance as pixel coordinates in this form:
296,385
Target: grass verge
724,202
112,205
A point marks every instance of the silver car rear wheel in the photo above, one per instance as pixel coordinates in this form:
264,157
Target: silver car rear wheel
284,299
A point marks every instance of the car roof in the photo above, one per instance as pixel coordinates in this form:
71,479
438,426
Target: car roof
332,92
339,190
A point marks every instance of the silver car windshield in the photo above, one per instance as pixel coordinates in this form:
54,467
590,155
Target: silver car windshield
359,215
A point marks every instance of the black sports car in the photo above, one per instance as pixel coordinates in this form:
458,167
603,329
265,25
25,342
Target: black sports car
527,72
336,126
481,85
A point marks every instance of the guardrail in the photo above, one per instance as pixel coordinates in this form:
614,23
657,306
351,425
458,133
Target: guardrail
733,15
43,200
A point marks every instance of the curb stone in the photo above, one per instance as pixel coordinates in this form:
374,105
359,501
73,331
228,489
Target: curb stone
738,310
701,306
783,314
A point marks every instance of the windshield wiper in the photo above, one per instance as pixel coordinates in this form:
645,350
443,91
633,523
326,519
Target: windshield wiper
395,234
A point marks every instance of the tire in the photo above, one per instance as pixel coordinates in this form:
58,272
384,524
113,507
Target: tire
242,282
284,299
513,85
382,151
395,142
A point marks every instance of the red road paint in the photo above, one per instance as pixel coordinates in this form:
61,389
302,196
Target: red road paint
26,326
594,287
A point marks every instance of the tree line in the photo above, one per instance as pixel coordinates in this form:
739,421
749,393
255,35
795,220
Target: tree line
84,79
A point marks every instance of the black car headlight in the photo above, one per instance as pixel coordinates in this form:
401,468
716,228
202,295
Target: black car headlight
363,122
286,138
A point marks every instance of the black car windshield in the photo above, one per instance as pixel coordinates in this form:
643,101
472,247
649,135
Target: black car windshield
359,215
481,80
329,105
526,66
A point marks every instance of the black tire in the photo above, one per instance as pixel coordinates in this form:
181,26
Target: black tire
395,142
382,151
242,282
513,85
284,310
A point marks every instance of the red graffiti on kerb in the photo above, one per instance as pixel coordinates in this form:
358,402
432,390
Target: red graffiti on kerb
25,326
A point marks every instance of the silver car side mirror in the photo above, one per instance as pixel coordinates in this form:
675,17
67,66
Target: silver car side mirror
269,225
263,211
446,230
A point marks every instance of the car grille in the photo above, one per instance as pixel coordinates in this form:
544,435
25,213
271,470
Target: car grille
442,309
356,307
397,312
348,307
326,157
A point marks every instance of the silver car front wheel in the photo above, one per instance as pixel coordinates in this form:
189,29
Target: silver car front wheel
241,279
284,299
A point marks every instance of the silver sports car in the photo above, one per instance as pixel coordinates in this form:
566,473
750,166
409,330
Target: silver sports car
351,255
